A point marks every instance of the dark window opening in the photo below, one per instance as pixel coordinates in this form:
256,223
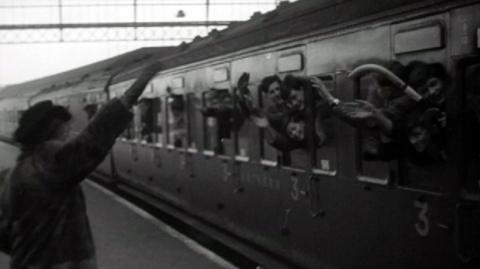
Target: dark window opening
324,134
150,112
90,110
472,127
218,121
176,121
194,102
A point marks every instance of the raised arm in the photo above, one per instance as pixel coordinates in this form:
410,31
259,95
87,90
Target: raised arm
70,162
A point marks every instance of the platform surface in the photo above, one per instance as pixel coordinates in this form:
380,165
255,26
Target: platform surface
127,237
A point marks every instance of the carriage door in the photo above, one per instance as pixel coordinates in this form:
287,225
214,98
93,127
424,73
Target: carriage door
176,137
421,46
466,37
466,41
468,209
214,168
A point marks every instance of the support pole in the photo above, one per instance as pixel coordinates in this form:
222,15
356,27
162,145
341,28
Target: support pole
60,18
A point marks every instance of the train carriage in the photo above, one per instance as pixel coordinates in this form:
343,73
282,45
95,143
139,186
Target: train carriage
319,202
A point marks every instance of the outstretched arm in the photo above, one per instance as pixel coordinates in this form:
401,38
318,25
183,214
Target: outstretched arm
363,114
359,113
129,98
67,164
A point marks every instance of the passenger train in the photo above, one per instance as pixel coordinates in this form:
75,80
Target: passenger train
318,195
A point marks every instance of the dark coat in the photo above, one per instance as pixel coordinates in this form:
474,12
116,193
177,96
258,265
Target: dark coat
49,227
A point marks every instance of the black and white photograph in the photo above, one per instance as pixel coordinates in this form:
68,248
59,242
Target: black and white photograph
239,134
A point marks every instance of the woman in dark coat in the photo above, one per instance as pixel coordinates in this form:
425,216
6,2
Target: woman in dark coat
42,201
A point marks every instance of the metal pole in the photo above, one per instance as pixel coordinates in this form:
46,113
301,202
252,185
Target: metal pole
135,19
60,19
207,16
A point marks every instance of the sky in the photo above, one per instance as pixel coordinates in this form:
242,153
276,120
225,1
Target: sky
21,61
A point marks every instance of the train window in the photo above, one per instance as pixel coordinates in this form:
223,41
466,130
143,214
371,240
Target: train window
290,63
244,106
425,129
129,132
176,122
159,117
90,110
472,124
178,83
194,102
325,139
371,169
218,112
298,125
150,112
272,104
102,98
478,38
220,75
63,101
418,39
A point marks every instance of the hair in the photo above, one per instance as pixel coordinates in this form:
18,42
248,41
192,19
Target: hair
267,81
419,72
296,118
40,123
295,83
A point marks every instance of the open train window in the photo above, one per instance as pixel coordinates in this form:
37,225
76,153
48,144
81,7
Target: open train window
150,111
218,113
472,126
129,132
176,121
94,101
271,103
90,110
194,102
244,104
324,133
287,107
369,141
299,123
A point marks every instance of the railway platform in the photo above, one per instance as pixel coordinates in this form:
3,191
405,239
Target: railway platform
128,237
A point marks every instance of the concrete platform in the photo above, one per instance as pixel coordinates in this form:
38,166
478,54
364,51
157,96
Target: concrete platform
127,237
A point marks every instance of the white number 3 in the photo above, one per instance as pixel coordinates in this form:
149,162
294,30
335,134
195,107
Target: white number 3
423,224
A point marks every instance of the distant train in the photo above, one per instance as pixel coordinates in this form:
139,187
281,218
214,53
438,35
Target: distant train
231,131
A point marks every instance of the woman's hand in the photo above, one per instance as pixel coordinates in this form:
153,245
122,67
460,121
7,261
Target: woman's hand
323,91
131,94
363,114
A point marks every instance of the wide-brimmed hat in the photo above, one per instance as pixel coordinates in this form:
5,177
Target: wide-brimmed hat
35,125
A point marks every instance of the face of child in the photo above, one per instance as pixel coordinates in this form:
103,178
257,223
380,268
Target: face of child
296,130
274,93
384,88
419,138
296,99
433,90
